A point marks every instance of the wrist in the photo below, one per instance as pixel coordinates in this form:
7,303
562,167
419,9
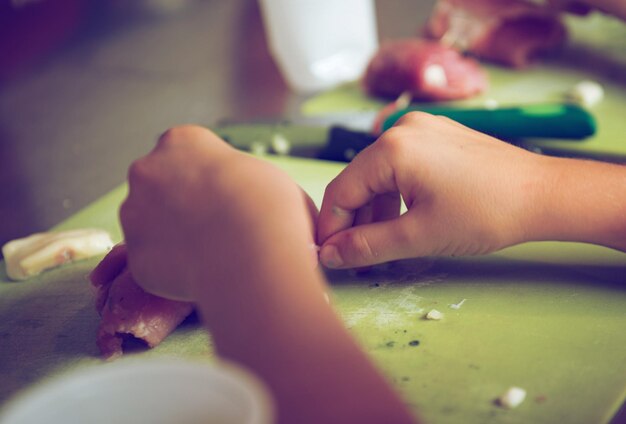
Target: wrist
254,280
580,201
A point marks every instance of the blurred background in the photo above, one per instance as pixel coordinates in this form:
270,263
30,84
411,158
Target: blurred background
86,86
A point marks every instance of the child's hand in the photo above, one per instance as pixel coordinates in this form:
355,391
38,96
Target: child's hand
200,213
466,194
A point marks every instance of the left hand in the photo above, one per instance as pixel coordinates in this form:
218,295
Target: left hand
200,214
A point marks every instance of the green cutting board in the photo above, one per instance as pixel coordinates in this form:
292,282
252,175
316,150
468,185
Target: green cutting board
547,317
596,51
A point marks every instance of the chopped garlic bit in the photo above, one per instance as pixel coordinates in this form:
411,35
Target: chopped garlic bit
491,104
512,398
587,93
435,75
29,256
258,148
280,144
434,315
458,305
349,153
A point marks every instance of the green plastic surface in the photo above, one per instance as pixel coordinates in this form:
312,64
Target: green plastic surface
548,317
596,51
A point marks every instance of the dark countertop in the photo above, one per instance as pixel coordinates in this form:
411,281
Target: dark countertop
72,123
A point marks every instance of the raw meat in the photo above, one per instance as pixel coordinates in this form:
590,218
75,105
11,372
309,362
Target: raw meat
425,69
509,32
29,256
127,310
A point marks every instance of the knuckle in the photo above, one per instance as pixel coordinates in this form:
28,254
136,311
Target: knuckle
136,171
393,142
175,135
445,119
126,217
332,192
169,137
332,185
415,118
443,122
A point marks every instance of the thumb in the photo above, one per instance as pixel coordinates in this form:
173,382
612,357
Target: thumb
371,244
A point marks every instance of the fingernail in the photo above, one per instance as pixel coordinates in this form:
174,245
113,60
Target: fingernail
329,255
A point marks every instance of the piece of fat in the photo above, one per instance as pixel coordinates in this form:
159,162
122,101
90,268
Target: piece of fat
29,256
512,398
435,75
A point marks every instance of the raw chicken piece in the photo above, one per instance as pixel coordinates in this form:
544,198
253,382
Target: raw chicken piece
427,70
127,310
29,256
509,32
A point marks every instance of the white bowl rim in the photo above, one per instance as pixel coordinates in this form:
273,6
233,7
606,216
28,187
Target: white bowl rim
261,403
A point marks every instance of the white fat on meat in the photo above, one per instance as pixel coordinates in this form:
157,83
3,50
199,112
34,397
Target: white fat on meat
29,256
435,76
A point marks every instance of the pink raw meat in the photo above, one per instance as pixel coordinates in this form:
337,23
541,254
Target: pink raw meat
127,310
509,32
402,66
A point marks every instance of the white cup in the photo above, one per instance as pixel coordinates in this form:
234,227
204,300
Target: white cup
145,392
319,44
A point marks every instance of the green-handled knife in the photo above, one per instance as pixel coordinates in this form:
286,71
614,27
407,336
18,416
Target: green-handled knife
566,121
337,143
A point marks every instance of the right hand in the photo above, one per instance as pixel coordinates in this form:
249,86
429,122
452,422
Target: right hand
466,194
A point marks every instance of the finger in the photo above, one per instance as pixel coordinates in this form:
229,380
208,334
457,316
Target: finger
110,267
312,211
364,215
382,208
370,244
369,174
386,206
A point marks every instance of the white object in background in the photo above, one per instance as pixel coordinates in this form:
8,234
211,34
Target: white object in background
587,93
157,391
29,256
319,44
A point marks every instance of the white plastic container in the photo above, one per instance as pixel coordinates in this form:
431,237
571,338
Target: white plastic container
153,391
319,44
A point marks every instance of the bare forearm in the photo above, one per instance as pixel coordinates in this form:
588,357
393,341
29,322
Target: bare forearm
290,337
583,201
